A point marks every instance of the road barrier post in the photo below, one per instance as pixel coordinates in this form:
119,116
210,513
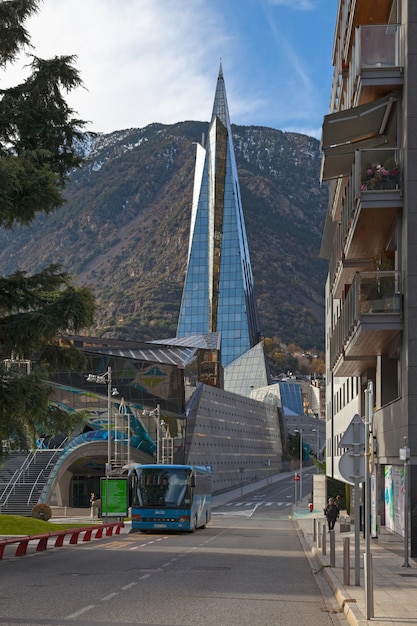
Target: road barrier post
346,561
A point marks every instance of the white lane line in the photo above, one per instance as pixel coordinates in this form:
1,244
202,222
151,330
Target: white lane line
148,543
90,607
129,586
252,512
108,597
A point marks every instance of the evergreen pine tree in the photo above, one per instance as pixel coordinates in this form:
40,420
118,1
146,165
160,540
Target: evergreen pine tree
37,150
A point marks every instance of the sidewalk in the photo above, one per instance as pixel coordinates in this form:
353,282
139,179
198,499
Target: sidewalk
394,587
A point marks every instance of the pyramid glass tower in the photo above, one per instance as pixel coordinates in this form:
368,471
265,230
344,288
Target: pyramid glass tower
218,293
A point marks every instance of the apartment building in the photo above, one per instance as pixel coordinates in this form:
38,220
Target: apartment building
369,144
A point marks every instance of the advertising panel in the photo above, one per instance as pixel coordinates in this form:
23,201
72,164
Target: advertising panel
114,497
374,506
394,498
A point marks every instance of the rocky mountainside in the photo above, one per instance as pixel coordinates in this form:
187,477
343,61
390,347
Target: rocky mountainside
124,230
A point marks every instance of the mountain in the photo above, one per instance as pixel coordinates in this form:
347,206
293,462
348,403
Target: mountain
124,229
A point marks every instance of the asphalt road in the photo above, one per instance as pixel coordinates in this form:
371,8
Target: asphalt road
248,567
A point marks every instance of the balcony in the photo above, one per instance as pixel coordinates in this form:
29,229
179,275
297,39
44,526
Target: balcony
371,200
377,63
369,323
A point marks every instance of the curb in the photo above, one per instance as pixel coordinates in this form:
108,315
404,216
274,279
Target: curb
345,601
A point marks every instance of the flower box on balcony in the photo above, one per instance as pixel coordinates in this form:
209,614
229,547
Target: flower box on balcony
380,177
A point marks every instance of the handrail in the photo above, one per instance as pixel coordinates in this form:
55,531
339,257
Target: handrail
41,473
11,485
11,482
14,480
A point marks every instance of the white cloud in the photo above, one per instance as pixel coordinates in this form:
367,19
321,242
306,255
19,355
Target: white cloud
144,61
141,61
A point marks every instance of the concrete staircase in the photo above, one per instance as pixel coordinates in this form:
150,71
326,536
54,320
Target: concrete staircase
22,479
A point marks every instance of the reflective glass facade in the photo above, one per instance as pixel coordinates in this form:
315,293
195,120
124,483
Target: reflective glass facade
292,399
247,373
218,293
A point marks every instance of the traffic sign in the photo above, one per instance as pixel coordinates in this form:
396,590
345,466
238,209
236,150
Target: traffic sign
354,434
352,462
352,467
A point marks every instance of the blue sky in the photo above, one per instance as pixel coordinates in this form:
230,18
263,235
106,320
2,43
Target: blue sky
145,61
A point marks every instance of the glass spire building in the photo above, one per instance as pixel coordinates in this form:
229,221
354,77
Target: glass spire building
218,293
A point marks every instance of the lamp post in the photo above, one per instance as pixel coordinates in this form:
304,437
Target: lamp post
103,379
369,598
300,431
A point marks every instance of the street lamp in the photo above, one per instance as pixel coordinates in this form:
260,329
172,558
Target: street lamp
103,379
317,431
300,431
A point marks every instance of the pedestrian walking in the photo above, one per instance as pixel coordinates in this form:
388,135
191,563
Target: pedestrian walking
331,512
92,501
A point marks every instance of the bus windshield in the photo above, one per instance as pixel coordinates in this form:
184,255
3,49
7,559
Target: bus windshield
162,487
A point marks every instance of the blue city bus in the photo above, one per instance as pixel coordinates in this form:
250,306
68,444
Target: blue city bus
170,497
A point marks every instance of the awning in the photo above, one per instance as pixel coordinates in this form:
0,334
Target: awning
345,131
352,125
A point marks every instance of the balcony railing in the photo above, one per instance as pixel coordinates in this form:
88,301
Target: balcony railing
376,50
379,292
371,293
378,46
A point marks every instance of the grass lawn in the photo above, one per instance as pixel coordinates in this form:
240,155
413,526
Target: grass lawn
18,525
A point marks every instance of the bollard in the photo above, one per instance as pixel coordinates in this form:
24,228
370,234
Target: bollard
323,541
314,530
319,534
332,549
346,561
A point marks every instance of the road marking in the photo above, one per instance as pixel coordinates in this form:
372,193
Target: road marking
129,586
253,505
90,607
148,543
109,596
